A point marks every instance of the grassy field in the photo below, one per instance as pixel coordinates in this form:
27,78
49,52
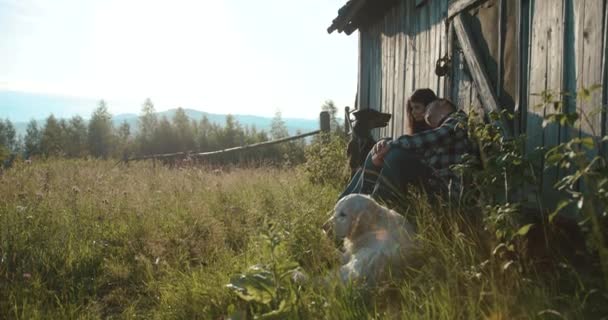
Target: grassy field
88,239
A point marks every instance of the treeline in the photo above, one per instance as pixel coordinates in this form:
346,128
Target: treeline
153,134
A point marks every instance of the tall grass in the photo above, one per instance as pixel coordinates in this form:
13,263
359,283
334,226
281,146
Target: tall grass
88,239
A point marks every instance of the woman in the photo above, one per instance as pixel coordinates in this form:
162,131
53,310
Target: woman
415,110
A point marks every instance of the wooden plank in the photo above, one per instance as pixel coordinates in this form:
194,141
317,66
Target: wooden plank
521,40
419,51
445,46
479,75
363,82
588,15
376,78
390,97
424,47
384,69
450,79
432,48
438,28
605,82
375,69
465,85
501,38
410,71
458,6
399,70
546,69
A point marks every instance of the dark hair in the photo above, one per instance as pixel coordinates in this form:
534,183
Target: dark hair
424,97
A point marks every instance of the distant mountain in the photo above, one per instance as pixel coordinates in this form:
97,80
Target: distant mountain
21,106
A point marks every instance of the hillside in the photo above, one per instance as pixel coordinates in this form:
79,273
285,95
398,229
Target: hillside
19,107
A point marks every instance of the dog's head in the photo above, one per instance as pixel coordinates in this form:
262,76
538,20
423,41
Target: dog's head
352,215
368,119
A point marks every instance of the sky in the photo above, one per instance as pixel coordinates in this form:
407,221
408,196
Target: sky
222,56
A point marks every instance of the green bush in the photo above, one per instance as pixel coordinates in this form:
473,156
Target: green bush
326,161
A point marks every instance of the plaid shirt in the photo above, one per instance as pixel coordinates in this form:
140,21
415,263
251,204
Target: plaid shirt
441,147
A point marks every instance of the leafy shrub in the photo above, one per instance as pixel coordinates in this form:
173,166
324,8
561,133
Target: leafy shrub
326,161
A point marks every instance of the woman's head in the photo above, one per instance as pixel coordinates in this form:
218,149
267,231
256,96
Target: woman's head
416,108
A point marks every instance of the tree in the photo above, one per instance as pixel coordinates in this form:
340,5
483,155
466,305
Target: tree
203,137
123,140
165,138
8,142
33,139
8,136
184,131
148,123
232,134
51,142
100,132
76,135
334,123
278,128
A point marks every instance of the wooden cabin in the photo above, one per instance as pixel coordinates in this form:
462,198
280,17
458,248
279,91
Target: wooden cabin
501,53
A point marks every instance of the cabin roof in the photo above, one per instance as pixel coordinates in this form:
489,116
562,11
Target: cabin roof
359,13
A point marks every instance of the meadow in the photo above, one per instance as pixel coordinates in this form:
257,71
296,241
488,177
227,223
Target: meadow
89,239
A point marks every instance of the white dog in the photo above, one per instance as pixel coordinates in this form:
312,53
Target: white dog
377,239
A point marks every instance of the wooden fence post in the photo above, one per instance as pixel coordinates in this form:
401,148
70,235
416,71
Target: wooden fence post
346,120
324,122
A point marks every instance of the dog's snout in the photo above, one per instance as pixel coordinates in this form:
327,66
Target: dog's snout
328,226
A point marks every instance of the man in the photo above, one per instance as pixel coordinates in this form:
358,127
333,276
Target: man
393,165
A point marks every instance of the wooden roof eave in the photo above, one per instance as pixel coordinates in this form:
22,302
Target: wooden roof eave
359,13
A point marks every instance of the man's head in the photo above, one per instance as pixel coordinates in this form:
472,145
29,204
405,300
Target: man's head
437,111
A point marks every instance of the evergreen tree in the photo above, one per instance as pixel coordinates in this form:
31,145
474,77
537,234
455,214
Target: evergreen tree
51,142
203,137
100,138
278,128
165,137
76,135
148,123
123,140
8,142
8,136
232,134
33,139
184,131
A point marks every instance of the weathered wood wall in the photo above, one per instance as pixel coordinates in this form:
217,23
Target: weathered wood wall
564,50
398,55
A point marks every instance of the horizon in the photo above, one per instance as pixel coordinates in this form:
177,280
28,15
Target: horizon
223,58
66,114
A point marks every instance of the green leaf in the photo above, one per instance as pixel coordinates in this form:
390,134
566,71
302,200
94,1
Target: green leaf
594,87
524,230
588,142
560,206
255,285
554,158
